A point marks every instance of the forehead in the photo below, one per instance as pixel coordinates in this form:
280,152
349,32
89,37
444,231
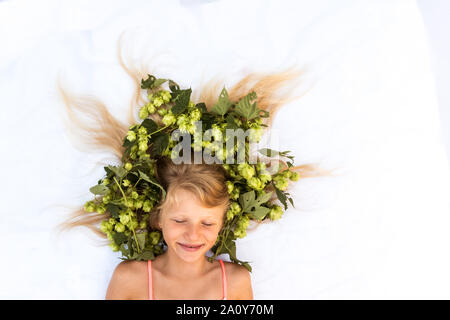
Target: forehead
187,204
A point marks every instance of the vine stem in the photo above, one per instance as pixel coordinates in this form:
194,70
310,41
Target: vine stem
135,239
126,201
159,129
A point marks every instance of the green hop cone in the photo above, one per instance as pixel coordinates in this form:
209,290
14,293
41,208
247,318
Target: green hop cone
275,213
166,96
131,136
158,101
261,166
151,108
134,195
106,181
154,237
230,214
169,119
119,227
143,224
133,224
255,183
281,182
89,206
162,112
143,146
235,207
128,166
147,207
143,113
195,115
114,246
105,227
230,187
142,132
124,219
246,171
287,174
101,209
126,182
241,226
265,177
295,176
235,193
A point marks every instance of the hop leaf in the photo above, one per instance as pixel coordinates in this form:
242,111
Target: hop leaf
223,103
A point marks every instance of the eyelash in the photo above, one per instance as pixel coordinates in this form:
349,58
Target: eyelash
205,224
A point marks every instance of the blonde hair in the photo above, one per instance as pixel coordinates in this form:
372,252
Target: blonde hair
205,181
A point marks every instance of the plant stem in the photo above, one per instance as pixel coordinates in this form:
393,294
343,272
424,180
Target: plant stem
135,239
126,201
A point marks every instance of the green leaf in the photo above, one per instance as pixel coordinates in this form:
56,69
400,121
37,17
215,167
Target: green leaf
141,239
245,109
145,177
231,124
260,212
158,82
99,189
173,86
181,101
113,210
247,200
223,103
160,143
125,251
202,107
263,198
281,196
148,83
150,125
119,238
268,152
291,201
145,255
119,171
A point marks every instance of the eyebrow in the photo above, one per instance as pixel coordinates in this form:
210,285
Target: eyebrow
181,215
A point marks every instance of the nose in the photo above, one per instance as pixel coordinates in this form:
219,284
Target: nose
193,232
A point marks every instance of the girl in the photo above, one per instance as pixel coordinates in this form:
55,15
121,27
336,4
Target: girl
190,219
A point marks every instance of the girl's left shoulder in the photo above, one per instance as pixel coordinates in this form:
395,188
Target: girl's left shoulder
238,281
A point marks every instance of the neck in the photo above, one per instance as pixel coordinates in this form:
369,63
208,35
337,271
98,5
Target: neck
177,268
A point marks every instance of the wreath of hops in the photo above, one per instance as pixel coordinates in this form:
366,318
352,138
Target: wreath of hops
130,191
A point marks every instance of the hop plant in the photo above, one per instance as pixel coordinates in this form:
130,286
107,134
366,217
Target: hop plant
241,226
169,119
246,171
130,192
275,212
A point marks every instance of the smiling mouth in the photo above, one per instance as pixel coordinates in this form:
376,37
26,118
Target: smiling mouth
190,247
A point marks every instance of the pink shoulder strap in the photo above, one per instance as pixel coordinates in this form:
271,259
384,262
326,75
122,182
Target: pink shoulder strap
150,280
224,280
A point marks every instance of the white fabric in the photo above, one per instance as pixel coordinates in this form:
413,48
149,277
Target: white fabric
378,231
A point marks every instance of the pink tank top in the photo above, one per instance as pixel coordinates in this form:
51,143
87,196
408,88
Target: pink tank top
150,280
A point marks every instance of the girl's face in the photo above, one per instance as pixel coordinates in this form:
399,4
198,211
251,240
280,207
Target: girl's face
190,229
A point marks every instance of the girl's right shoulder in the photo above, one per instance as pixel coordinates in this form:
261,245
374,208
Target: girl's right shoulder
126,280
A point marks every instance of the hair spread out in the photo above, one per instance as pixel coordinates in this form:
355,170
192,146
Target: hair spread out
205,181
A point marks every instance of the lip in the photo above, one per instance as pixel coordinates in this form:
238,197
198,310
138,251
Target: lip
185,247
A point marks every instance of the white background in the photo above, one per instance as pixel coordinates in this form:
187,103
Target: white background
379,230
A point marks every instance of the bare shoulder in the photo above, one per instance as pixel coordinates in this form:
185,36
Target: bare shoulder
239,282
125,280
